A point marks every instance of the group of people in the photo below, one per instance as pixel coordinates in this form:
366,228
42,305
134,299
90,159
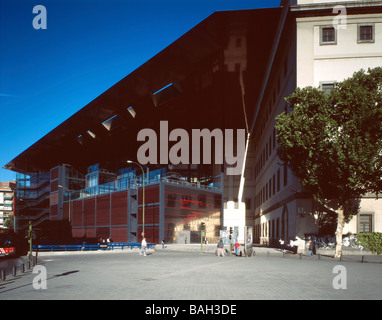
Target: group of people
221,250
293,245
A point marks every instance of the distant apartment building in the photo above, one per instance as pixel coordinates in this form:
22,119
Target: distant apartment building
7,197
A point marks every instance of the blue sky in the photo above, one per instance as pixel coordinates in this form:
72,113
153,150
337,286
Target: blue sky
89,45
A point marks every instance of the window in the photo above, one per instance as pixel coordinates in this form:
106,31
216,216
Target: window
171,199
270,145
131,111
365,223
278,227
248,203
202,201
365,33
285,175
264,194
186,201
270,188
328,35
236,203
326,87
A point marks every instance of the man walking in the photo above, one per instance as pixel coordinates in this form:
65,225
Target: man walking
221,247
310,248
143,247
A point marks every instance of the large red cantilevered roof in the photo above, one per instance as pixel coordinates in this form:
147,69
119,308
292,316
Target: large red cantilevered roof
196,82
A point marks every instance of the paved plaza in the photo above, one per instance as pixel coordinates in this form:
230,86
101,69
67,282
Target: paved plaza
189,275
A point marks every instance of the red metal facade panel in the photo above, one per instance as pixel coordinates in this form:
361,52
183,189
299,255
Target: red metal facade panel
119,234
89,212
102,233
78,233
76,214
103,211
54,174
151,234
151,195
53,211
119,208
54,186
90,233
151,215
65,211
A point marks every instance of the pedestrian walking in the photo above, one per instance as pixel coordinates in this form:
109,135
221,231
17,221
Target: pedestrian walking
221,247
236,246
281,241
310,248
143,247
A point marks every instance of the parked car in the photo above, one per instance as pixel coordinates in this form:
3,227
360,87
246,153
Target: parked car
11,245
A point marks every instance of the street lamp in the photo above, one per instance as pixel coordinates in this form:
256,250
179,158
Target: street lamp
143,196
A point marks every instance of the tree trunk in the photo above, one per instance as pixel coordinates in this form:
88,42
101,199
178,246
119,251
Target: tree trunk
340,228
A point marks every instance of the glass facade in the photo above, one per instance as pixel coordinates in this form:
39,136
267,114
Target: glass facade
126,179
186,209
32,186
32,198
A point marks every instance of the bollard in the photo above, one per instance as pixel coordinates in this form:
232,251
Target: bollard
2,275
22,268
319,257
363,259
14,271
31,262
300,256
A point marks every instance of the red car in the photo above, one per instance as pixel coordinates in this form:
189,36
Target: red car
11,245
7,251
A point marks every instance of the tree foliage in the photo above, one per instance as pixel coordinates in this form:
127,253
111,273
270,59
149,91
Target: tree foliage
333,142
372,241
9,222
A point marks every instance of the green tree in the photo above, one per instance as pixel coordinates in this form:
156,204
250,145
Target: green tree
372,241
9,222
332,142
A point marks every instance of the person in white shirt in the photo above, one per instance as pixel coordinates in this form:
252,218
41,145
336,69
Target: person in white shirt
143,247
281,241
